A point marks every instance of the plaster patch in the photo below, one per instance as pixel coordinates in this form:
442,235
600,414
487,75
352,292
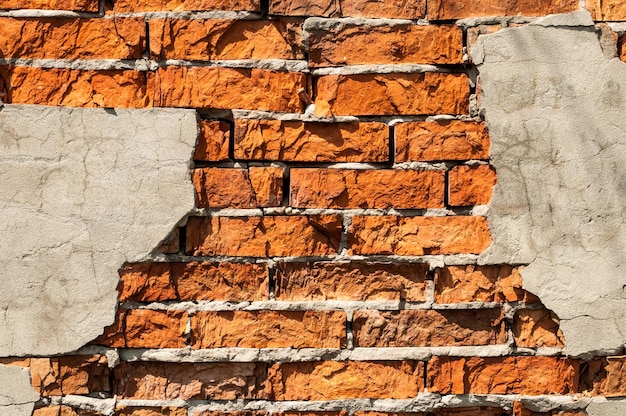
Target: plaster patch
555,109
81,192
17,397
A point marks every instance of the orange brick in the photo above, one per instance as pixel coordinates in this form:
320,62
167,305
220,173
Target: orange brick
213,141
223,188
215,39
445,140
75,5
607,10
298,141
187,381
398,44
70,375
229,88
64,411
458,411
351,281
129,6
392,94
425,328
149,282
347,188
76,88
332,380
234,413
66,38
455,284
604,376
398,9
502,375
621,47
418,236
520,410
155,329
470,185
269,329
150,411
536,328
264,236
267,183
453,9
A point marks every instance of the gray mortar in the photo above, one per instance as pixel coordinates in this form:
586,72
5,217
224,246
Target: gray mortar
554,105
17,397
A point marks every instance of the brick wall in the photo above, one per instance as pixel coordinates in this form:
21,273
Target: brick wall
329,267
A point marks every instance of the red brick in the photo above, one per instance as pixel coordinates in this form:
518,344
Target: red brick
333,380
398,9
213,141
76,88
223,188
417,236
351,281
607,10
425,328
187,381
353,44
460,411
604,377
149,282
229,88
267,183
536,328
269,329
155,329
64,411
470,185
75,5
216,39
392,94
68,38
150,411
455,284
621,48
264,236
348,188
454,9
502,375
424,141
298,141
234,413
129,6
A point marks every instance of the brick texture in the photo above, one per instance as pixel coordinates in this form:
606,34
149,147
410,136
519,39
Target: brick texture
74,5
129,6
470,185
451,9
350,8
213,141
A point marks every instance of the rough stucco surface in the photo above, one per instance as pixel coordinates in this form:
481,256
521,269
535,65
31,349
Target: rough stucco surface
555,109
17,397
82,191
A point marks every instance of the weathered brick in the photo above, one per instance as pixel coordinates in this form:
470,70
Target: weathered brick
418,236
75,5
298,141
421,141
76,88
621,48
349,188
604,376
64,411
187,381
114,335
65,38
267,183
502,375
520,410
455,284
536,328
352,44
607,10
331,380
150,411
155,329
233,413
264,236
392,94
454,9
215,39
213,141
470,185
399,9
269,329
459,411
422,328
149,282
229,88
126,6
351,281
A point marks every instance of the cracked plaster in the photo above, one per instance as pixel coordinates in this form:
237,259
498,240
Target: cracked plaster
555,108
82,192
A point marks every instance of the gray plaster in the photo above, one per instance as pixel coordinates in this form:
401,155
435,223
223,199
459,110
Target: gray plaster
82,191
555,109
607,408
17,397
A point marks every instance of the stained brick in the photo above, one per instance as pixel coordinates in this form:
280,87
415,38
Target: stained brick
351,281
298,141
347,188
264,236
269,329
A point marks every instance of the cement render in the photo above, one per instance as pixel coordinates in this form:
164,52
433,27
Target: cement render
82,192
554,105
17,397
